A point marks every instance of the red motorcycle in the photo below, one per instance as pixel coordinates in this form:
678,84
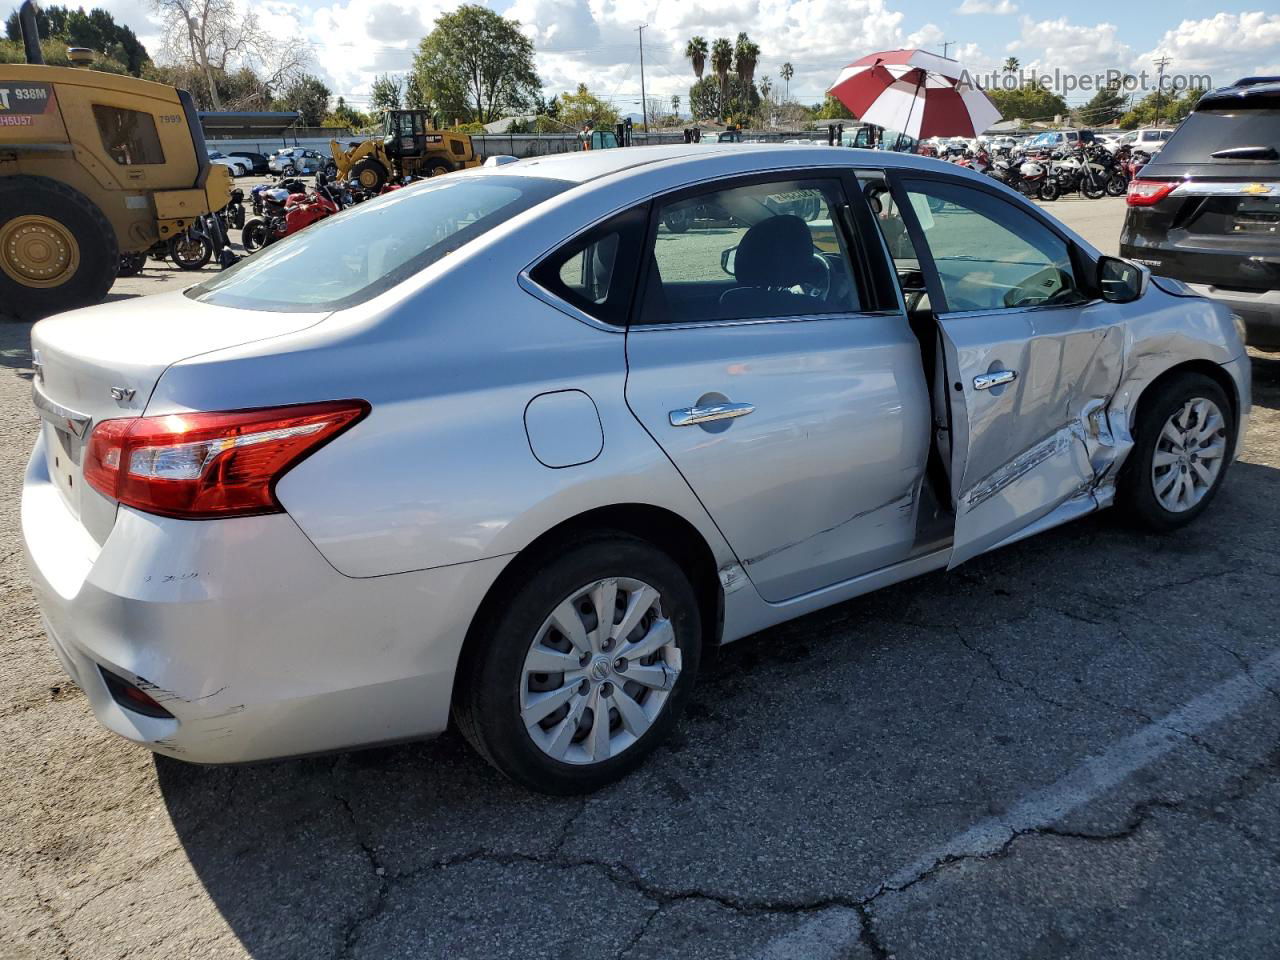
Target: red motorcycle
285,213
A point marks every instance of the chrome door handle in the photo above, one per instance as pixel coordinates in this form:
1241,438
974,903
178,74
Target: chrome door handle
996,378
712,411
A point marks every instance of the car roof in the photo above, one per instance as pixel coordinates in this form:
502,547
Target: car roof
1225,97
584,165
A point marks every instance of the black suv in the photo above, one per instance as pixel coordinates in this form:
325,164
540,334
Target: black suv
1206,209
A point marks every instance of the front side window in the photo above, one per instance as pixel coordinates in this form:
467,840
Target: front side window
772,249
989,255
362,251
128,136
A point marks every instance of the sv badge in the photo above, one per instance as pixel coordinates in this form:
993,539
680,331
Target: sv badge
122,394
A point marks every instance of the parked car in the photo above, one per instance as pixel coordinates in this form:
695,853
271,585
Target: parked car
1052,140
257,161
1148,139
293,161
1206,208
295,509
238,168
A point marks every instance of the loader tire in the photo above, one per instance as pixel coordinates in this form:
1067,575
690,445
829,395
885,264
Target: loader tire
370,174
57,249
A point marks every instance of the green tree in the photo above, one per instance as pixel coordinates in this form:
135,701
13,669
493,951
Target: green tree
1162,105
721,64
787,72
385,93
746,53
1011,65
414,98
310,97
704,99
675,104
1105,105
582,107
55,55
696,53
1029,102
476,65
831,108
343,115
96,29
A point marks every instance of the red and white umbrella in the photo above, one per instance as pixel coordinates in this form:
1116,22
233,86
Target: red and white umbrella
916,93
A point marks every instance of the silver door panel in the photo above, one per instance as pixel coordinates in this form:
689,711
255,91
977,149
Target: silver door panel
820,482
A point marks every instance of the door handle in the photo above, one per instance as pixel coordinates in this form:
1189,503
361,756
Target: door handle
709,412
996,378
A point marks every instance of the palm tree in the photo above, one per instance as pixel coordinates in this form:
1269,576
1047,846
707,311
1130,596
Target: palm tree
766,87
788,72
675,104
746,53
722,63
1011,65
696,51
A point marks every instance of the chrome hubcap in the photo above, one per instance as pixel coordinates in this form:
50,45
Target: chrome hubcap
1189,455
599,671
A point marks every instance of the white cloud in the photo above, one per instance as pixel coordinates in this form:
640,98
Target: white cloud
1001,7
1058,44
1226,46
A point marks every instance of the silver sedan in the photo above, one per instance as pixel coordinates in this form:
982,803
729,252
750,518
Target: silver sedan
516,445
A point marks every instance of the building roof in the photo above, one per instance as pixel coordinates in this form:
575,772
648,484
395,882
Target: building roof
231,124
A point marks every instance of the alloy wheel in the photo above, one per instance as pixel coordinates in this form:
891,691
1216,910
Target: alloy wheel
1189,455
599,671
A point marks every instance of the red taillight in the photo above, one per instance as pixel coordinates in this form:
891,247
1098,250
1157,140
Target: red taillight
204,465
1144,193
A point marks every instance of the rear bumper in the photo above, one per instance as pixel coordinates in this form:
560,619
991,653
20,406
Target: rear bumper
242,631
1260,312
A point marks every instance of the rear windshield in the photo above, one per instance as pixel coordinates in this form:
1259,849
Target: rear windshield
1205,132
364,250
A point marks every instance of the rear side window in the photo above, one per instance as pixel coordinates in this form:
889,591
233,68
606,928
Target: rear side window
129,136
364,250
1205,132
596,271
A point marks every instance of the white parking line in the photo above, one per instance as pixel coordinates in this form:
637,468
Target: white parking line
832,933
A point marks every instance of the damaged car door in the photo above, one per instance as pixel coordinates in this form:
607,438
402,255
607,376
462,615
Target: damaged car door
1032,359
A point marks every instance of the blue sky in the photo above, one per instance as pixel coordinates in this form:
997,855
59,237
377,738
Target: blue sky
595,41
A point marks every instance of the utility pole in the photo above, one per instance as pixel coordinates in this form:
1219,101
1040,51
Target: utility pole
945,45
644,104
1161,64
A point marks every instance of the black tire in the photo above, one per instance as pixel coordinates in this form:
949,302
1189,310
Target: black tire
678,220
1093,189
370,174
235,214
88,281
190,252
1048,190
1136,486
486,705
437,167
330,171
1117,185
131,264
254,234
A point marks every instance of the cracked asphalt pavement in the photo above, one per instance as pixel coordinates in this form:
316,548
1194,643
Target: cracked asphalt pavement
1069,748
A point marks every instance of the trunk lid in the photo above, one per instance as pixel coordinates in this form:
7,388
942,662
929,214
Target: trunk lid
103,362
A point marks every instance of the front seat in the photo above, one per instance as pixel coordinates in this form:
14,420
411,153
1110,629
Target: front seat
774,256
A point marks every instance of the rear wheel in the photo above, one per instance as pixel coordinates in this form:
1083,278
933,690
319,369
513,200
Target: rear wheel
370,174
1117,185
1093,189
57,250
583,669
1184,435
1048,190
678,220
435,168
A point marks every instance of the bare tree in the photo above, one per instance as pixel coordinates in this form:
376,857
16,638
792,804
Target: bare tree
213,38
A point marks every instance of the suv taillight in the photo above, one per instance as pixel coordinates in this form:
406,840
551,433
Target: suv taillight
204,465
1145,193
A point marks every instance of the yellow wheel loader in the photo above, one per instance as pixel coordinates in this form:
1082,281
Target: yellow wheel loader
409,146
92,166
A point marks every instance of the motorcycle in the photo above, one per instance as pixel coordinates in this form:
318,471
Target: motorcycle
198,244
1080,171
1029,177
286,213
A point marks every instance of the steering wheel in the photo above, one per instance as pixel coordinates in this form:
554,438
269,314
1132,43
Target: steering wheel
822,289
